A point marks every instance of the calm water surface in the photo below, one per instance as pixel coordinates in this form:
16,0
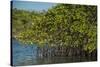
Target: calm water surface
27,55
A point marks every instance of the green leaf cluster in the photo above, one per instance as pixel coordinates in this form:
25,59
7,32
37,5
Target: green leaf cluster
63,24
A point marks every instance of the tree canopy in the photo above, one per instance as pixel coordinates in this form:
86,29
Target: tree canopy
63,24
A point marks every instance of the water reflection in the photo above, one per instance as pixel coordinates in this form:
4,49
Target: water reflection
27,55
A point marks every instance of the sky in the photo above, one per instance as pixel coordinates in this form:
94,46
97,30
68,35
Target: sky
27,5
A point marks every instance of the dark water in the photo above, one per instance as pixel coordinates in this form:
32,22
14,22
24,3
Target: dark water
27,55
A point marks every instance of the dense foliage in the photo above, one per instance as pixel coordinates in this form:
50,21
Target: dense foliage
63,24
